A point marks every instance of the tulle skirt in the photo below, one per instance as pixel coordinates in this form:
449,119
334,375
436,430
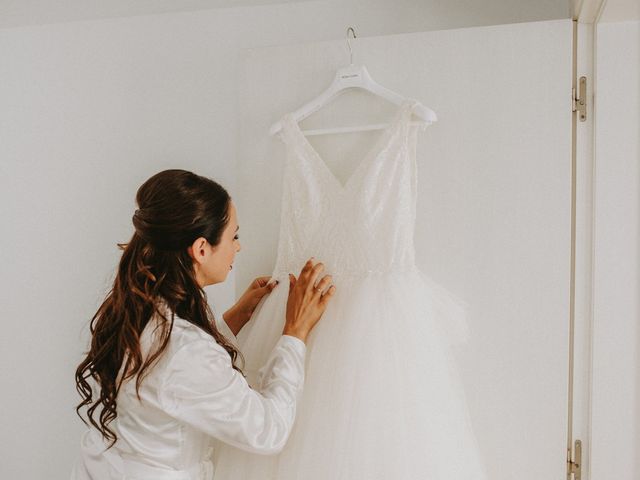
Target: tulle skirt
382,397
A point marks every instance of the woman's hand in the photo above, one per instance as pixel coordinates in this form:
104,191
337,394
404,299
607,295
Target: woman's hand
307,301
238,315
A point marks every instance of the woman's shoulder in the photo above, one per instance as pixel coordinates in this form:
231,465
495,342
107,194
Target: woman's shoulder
184,333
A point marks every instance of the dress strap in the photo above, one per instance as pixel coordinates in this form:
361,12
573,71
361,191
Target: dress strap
411,103
286,133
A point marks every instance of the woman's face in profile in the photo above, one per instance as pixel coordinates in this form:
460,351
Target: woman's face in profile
213,264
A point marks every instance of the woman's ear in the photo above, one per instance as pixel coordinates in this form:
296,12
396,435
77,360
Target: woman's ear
197,250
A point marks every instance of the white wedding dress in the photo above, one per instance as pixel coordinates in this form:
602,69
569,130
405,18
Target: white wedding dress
382,398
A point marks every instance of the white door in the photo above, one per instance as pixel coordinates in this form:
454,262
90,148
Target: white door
494,190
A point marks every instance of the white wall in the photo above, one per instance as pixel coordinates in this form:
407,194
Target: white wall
88,111
616,304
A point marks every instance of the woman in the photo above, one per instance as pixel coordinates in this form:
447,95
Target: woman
165,373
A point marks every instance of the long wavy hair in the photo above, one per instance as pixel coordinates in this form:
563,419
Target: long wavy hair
175,208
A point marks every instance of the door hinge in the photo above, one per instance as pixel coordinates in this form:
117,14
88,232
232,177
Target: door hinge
574,466
579,99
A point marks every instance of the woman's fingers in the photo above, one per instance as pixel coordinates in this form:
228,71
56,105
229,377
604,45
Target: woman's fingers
306,269
308,276
313,276
323,284
307,301
327,295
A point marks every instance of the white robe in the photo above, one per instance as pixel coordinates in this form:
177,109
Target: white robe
191,397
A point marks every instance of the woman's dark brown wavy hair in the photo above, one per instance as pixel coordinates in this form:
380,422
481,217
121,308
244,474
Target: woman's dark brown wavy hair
175,208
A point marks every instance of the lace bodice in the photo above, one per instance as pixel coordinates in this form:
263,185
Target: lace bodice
363,227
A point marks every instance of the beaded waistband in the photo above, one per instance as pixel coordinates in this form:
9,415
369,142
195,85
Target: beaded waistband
280,273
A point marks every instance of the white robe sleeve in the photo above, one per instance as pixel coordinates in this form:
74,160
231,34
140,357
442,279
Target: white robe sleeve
224,329
202,389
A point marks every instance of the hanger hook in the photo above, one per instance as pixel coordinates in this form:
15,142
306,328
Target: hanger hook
350,30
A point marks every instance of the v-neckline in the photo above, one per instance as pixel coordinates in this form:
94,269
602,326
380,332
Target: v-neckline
369,157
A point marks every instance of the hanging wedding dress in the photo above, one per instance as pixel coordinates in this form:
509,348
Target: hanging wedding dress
382,397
